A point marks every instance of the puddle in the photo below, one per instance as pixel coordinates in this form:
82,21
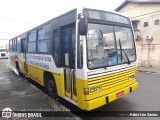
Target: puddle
31,92
1,77
18,93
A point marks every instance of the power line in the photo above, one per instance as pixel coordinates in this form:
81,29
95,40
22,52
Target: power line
8,33
3,39
146,14
16,20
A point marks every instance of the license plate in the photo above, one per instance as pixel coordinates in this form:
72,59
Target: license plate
120,94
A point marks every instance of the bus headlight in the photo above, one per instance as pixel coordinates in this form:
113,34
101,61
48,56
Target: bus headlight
97,88
92,90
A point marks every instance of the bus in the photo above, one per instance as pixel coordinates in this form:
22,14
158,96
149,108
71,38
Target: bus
3,53
86,57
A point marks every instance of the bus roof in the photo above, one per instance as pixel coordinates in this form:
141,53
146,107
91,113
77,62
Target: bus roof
73,10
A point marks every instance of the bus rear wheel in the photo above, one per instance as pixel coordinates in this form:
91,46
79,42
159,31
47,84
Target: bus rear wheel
52,89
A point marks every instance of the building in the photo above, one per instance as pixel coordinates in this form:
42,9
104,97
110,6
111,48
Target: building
145,16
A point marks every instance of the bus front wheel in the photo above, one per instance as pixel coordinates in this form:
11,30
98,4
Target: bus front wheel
52,89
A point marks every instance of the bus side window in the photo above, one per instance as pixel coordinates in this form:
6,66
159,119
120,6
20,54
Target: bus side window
23,45
32,41
66,48
73,48
10,45
44,39
80,53
56,46
18,45
13,45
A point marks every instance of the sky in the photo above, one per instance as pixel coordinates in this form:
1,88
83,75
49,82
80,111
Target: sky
18,16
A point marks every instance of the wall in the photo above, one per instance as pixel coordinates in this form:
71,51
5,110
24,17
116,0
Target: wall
134,9
148,51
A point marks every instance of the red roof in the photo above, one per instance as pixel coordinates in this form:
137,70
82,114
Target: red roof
137,1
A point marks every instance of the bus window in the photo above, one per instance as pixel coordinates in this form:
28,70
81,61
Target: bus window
23,45
32,41
56,46
80,52
10,45
73,48
44,39
66,48
124,35
18,44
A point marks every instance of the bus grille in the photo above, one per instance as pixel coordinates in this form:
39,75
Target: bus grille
111,80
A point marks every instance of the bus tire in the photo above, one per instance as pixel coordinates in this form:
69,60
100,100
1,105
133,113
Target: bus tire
52,89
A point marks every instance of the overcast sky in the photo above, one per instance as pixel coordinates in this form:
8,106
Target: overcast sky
18,16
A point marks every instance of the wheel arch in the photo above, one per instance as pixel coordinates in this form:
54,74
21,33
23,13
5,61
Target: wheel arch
47,76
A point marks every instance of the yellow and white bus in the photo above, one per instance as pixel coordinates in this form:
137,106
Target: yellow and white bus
87,57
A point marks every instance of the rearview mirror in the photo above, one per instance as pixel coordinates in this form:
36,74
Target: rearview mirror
82,26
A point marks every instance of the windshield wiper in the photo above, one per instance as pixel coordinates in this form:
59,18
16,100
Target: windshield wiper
120,45
129,62
101,32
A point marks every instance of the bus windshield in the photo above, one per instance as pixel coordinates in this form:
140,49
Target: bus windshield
109,45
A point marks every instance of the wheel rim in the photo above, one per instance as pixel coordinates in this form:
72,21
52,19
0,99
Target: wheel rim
52,89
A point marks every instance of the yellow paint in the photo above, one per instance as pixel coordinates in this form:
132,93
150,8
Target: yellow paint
98,102
107,91
73,96
68,94
80,85
36,73
22,69
60,85
110,84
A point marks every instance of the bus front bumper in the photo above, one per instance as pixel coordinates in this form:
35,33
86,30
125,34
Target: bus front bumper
95,103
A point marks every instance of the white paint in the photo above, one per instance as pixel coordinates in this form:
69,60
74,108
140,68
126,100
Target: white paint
43,61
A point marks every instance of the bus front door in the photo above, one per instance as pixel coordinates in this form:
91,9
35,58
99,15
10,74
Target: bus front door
69,61
23,51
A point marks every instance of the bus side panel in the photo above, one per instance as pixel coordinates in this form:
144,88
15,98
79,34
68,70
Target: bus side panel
80,85
59,79
22,63
35,73
22,69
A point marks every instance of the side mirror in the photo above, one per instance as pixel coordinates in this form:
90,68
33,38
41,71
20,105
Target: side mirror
82,26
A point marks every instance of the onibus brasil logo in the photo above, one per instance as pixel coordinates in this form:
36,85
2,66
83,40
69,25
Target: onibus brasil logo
7,112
